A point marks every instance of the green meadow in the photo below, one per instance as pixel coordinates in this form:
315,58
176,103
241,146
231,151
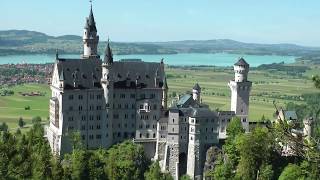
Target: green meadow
13,107
267,87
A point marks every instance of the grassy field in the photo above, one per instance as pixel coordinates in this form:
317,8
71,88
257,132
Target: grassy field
215,92
13,107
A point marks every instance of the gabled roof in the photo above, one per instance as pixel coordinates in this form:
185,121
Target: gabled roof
241,62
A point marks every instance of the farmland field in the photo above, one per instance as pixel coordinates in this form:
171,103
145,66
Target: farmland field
215,92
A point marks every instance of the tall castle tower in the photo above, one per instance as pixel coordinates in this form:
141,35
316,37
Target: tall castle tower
240,92
90,37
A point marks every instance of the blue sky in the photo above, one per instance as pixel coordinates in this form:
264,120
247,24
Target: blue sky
260,21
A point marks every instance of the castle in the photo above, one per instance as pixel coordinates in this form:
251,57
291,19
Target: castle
108,101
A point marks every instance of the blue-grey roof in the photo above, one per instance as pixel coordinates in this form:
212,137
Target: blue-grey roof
184,99
290,115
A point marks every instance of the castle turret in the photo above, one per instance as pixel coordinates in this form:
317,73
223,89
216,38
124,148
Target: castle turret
307,130
90,37
107,82
196,91
240,92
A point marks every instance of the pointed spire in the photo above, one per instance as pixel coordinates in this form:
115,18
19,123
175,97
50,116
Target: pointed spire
108,57
57,54
91,24
197,87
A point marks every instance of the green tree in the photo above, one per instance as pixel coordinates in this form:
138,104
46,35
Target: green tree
265,172
291,172
21,123
234,128
255,150
154,173
126,161
185,177
4,127
316,81
36,120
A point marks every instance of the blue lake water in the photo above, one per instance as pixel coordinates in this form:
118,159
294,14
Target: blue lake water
219,59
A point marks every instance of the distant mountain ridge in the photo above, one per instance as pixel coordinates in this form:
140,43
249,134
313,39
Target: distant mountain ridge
32,42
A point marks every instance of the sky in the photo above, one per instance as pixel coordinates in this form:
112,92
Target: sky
256,21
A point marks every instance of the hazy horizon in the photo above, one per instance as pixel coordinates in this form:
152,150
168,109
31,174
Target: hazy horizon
272,22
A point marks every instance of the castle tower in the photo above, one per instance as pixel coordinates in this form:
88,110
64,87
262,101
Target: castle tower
107,85
307,130
90,37
240,92
196,91
194,149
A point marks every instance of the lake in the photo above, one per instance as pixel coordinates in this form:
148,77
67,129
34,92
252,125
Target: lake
218,59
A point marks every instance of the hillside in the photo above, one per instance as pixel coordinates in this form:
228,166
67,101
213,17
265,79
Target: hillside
31,42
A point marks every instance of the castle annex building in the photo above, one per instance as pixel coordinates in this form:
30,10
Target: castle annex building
108,101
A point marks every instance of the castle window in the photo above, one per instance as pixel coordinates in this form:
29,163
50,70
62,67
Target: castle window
83,127
119,125
132,135
147,126
80,108
98,117
119,134
126,116
116,116
132,116
140,135
119,106
132,96
83,137
122,96
172,120
152,96
99,96
107,125
83,118
244,120
141,106
98,136
153,126
70,97
70,118
80,97
132,106
126,106
142,96
154,135
107,135
155,117
98,126
172,129
70,108
125,135
154,106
